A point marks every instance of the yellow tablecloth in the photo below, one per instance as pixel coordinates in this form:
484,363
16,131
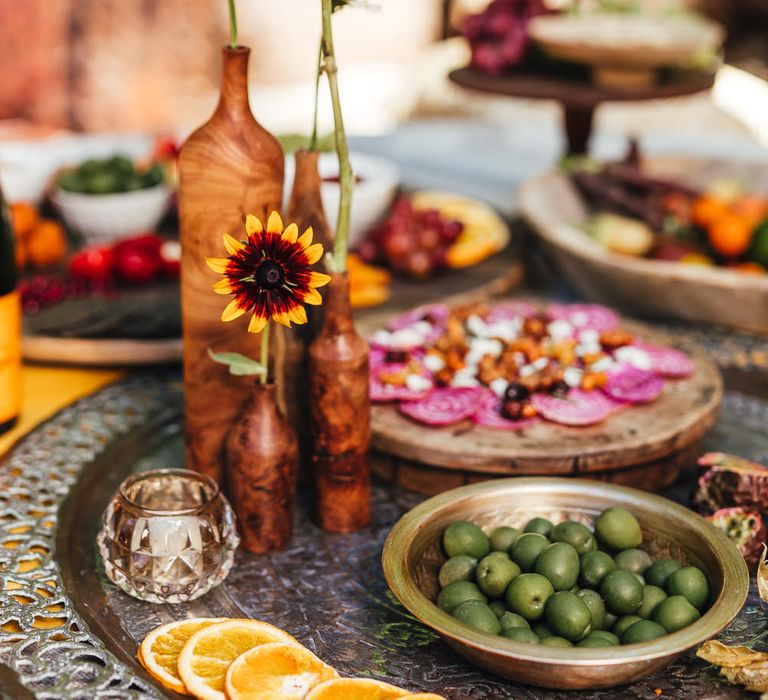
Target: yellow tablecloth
48,390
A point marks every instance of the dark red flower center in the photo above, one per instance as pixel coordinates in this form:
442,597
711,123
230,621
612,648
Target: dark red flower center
270,275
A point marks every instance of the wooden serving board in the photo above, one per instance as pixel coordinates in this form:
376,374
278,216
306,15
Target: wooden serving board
645,446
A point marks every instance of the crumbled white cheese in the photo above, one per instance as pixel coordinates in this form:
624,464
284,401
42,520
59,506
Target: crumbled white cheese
503,330
633,356
527,371
519,359
589,336
572,376
415,382
405,338
465,377
499,386
579,318
477,326
541,363
434,363
588,349
559,329
480,347
423,328
602,365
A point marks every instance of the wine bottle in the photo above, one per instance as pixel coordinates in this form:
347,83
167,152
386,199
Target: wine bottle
10,325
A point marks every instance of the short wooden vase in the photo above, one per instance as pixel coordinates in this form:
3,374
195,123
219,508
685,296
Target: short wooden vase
261,462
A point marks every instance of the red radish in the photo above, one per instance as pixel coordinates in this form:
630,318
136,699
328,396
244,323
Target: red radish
489,415
444,406
666,361
578,408
632,385
510,310
93,264
590,316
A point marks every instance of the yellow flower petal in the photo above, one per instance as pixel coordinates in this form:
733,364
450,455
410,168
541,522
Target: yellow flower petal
282,318
257,323
312,296
232,244
291,233
298,315
275,223
314,253
318,279
306,238
253,224
232,311
223,287
217,264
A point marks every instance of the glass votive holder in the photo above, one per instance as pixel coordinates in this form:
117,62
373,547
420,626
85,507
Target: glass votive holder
168,536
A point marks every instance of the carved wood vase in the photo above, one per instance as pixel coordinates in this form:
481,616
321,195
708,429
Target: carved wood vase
305,208
262,460
340,411
229,167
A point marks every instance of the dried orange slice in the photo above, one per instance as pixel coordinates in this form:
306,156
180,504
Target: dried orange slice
425,696
275,671
206,656
159,652
356,689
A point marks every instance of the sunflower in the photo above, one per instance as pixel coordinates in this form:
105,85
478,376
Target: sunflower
269,274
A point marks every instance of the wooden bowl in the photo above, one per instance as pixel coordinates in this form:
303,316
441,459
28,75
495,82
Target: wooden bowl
413,555
552,206
625,51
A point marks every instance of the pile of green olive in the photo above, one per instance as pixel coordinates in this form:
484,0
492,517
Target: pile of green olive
564,585
110,176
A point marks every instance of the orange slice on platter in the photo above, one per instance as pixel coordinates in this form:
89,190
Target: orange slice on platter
206,656
484,234
276,671
356,689
159,652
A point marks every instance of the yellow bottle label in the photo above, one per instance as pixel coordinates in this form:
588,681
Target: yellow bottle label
10,356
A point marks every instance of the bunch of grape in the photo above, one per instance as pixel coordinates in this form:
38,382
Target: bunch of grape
498,36
411,242
42,291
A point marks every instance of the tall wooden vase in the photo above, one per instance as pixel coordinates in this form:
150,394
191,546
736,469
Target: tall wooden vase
340,409
229,167
305,208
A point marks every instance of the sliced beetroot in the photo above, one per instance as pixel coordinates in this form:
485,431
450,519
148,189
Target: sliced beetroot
667,362
381,392
510,310
632,385
436,314
444,406
382,357
585,316
488,414
577,408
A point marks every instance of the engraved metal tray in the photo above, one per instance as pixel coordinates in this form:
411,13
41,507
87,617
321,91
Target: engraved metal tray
65,632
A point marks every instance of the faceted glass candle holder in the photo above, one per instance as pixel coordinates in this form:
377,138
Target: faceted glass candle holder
168,536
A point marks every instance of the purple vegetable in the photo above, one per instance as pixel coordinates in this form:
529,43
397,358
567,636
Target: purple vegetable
509,310
444,406
591,316
577,408
666,361
731,481
632,385
488,415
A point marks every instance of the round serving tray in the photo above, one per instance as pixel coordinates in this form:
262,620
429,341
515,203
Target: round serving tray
555,210
645,446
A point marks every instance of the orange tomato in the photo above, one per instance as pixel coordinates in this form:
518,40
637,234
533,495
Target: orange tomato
730,235
706,209
46,244
751,207
24,218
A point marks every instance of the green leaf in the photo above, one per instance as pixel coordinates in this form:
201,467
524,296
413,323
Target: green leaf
239,365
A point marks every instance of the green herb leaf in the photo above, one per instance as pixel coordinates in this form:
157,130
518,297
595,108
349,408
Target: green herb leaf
239,365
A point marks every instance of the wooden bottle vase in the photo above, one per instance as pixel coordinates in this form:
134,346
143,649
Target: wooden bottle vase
340,410
262,459
229,167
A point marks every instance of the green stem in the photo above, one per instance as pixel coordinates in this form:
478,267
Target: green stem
340,241
232,25
265,353
313,139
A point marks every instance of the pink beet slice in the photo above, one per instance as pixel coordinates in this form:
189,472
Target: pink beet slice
578,408
592,316
632,385
668,362
488,414
509,310
436,314
382,393
444,406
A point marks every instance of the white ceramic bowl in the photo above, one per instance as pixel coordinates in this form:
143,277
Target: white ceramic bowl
102,218
371,197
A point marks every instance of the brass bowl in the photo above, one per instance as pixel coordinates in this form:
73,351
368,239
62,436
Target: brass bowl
413,555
